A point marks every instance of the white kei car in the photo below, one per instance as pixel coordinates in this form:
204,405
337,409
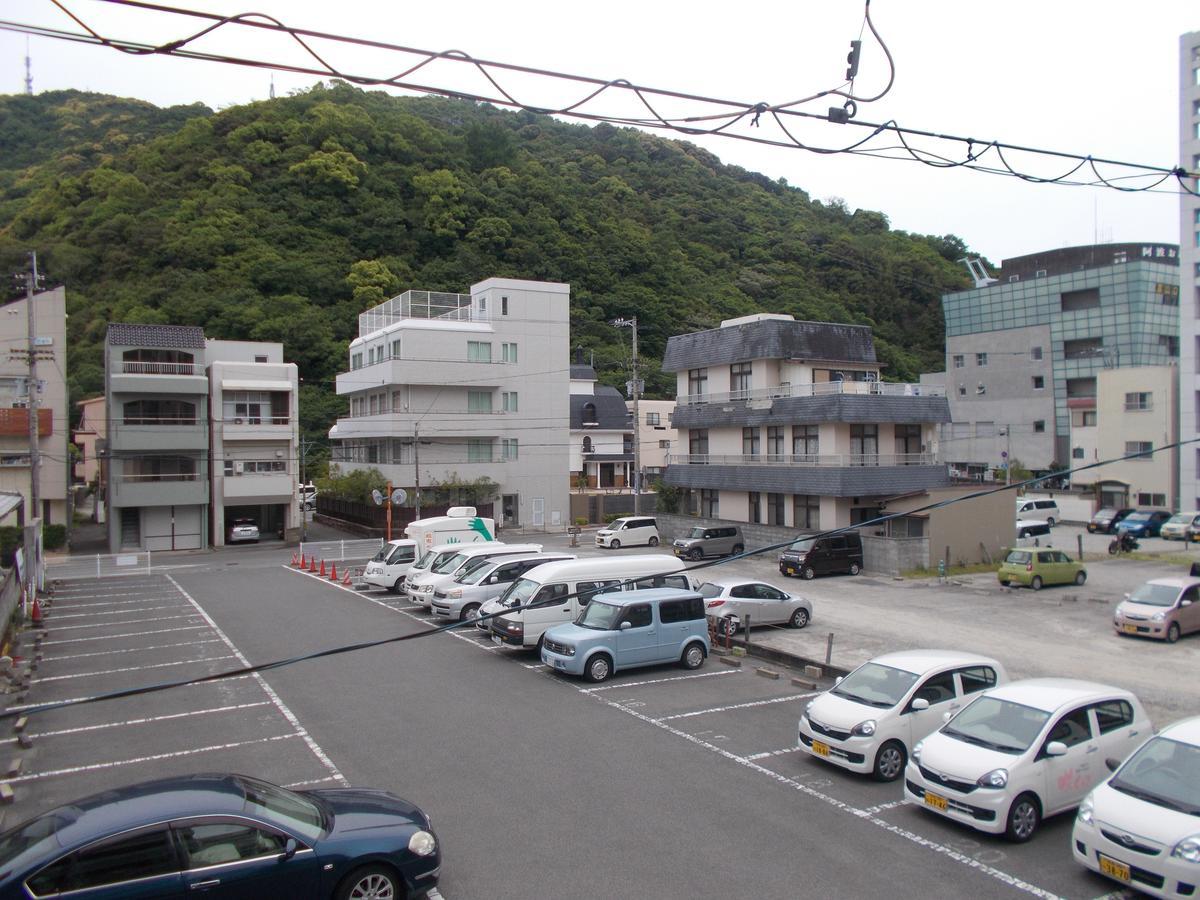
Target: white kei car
764,604
1023,751
870,719
1141,826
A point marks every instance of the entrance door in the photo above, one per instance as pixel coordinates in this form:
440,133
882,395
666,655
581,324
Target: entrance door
537,511
511,504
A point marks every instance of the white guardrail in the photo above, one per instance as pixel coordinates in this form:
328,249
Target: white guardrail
102,565
341,550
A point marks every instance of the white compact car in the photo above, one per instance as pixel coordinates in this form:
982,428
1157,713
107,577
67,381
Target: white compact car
1142,826
733,601
628,532
869,720
1024,751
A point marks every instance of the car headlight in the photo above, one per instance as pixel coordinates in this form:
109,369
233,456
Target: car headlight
1086,808
422,843
916,751
455,594
808,707
864,729
567,649
1158,617
1188,849
997,778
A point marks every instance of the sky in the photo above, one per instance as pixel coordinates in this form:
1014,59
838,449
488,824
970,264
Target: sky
1092,77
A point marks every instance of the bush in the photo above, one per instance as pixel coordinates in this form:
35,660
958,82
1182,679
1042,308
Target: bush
609,518
11,537
581,521
54,536
669,497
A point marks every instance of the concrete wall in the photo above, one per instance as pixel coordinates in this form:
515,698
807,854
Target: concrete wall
975,530
895,555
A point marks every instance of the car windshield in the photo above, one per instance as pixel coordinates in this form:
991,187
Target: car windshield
449,564
1106,513
875,685
17,840
599,616
802,546
474,567
1164,772
426,560
696,533
520,593
384,552
475,572
708,589
1155,594
1019,557
1138,517
1182,519
996,724
284,807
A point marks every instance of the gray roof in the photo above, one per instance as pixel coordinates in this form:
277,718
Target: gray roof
611,413
770,339
609,457
190,337
581,372
826,481
853,408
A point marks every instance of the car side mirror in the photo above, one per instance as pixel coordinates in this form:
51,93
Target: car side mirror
1056,748
920,703
625,626
289,849
1113,763
492,579
1185,602
838,680
1126,596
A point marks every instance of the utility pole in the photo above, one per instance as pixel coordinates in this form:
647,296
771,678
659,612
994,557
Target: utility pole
304,448
31,281
636,390
1007,455
417,468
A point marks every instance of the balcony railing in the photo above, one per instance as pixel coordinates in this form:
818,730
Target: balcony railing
137,478
158,368
257,420
821,389
160,420
419,305
839,460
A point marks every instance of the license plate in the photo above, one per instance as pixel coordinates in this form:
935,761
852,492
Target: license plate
496,640
820,749
790,570
1132,629
936,802
1114,869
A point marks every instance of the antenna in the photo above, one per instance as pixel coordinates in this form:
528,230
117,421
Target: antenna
28,69
272,85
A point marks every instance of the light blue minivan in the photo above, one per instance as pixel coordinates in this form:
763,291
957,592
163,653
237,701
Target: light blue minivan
627,629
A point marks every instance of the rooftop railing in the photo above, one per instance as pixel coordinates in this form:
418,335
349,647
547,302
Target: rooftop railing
419,305
819,389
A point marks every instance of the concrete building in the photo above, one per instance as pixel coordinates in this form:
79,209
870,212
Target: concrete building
1189,268
601,433
253,395
786,423
1136,411
91,431
50,323
657,432
1024,350
469,386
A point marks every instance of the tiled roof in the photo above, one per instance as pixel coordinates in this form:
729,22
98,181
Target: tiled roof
827,481
769,339
611,412
853,408
189,337
581,372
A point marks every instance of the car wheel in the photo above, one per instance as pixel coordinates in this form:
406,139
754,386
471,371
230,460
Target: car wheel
614,544
1080,577
395,588
470,613
855,568
729,625
693,656
1036,583
799,618
1023,819
1113,547
1022,533
653,542
370,882
738,548
695,554
890,761
538,648
1172,632
599,667
808,573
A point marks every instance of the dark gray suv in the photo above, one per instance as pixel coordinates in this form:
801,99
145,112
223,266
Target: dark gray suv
704,541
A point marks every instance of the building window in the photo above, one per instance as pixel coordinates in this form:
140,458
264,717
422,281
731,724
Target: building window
479,450
508,352
479,401
653,418
664,445
906,527
755,509
775,509
1169,293
1139,400
806,444
370,356
1039,382
260,359
750,441
1147,499
373,404
509,401
1077,453
1081,387
985,429
740,379
1142,449
710,506
1170,343
958,361
908,443
396,348
1073,301
1035,353
355,361
775,441
1083,348
981,359
479,351
698,442
508,448
697,382
861,514
504,306
962,390
1089,418
864,445
1039,426
159,412
806,511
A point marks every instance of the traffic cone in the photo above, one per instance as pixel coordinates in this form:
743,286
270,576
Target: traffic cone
312,563
333,572
322,572
35,612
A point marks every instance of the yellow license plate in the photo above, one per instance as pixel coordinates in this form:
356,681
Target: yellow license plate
820,749
936,802
1132,629
1114,869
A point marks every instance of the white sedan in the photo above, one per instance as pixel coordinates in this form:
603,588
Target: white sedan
1140,827
733,601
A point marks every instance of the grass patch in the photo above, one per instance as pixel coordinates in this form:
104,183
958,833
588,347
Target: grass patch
951,571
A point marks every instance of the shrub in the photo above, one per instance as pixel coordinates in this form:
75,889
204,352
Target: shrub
11,537
609,518
581,521
54,536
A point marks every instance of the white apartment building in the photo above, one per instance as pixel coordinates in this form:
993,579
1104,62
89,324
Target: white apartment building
601,433
656,433
453,388
1189,271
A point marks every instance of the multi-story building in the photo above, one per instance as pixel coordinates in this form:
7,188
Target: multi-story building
1189,268
456,389
1136,412
787,423
255,451
157,398
50,323
601,433
656,432
1023,350
91,432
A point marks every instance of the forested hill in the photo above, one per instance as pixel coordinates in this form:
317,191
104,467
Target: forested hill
281,220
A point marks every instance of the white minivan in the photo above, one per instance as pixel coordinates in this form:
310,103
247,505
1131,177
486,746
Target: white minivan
388,567
420,586
576,582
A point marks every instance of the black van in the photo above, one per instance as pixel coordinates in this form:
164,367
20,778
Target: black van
823,556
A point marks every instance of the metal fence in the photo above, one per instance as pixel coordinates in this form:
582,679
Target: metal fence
340,550
376,516
102,565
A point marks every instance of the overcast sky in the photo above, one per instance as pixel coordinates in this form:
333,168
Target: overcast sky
1087,76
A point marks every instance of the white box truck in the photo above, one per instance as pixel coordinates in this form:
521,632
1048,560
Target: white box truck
460,525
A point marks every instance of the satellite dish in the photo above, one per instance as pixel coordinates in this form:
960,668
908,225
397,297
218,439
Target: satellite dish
399,495
377,496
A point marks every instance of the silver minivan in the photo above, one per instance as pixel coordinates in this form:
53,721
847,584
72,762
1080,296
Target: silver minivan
461,598
712,540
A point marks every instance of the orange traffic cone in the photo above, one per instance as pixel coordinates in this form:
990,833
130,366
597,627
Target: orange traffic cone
35,612
293,562
312,563
333,572
322,572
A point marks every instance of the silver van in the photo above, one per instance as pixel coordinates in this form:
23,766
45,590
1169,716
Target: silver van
461,598
713,540
1045,510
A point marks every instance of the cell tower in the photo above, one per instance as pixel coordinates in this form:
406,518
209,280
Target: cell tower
28,70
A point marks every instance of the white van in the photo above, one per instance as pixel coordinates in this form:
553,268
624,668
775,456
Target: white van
584,577
387,568
421,585
460,525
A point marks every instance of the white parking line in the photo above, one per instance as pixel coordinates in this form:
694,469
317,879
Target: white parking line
300,784
86,697
58,604
175,754
178,662
114,612
717,709
871,810
130,650
631,684
113,637
143,721
785,750
130,622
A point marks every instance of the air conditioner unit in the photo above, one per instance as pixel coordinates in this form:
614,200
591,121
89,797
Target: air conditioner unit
238,466
237,421
20,404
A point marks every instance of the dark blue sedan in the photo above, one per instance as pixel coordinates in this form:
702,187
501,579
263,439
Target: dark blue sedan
221,836
1144,522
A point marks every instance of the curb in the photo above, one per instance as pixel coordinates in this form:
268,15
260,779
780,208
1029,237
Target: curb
791,660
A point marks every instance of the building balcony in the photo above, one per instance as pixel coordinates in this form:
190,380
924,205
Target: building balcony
821,389
157,435
838,475
15,422
852,402
264,428
178,489
400,425
259,488
836,460
157,378
395,371
426,305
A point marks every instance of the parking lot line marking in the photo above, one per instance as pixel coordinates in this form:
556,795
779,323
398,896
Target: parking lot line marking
871,810
113,612
717,709
58,605
629,684
274,697
130,622
754,756
299,784
69,700
177,662
174,754
142,721
130,650
113,637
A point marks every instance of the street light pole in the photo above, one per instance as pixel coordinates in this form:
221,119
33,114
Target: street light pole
637,420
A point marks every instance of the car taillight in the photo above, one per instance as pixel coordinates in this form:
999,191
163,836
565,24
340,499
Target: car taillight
1028,567
712,603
